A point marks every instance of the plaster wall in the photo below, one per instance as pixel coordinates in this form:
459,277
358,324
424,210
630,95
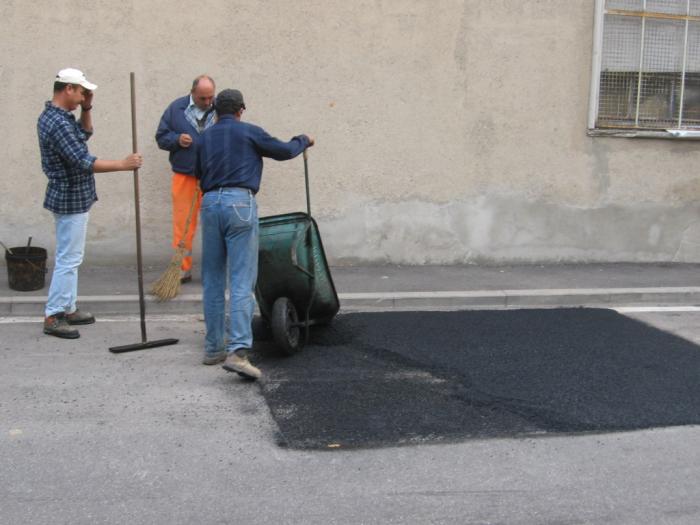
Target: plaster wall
448,131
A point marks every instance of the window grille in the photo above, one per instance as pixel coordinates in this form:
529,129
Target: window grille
646,65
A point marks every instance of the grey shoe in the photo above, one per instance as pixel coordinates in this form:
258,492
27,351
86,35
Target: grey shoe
58,326
240,364
214,359
79,317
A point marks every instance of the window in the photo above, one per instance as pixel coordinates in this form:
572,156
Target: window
646,68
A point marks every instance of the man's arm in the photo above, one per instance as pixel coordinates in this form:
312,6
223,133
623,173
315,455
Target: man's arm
86,113
71,147
75,153
128,163
166,137
276,149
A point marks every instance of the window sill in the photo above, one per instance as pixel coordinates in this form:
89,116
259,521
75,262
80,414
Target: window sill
675,134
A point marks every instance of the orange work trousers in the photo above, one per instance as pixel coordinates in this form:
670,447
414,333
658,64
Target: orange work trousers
183,191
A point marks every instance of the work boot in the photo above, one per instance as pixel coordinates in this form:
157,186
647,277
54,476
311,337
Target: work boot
79,317
57,325
215,358
238,362
185,276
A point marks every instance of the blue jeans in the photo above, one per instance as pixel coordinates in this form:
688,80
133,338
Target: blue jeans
71,230
229,219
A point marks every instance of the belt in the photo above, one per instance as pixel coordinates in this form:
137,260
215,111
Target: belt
230,186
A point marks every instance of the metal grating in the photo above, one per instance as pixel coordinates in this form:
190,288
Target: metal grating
650,65
673,7
629,5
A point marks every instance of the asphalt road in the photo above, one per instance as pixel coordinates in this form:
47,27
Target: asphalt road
391,378
154,437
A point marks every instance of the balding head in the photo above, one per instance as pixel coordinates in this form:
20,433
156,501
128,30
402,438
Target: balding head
203,90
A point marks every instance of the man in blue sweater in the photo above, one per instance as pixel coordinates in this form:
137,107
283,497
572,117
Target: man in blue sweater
229,168
179,130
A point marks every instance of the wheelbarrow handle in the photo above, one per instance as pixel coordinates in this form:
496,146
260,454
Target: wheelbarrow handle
306,180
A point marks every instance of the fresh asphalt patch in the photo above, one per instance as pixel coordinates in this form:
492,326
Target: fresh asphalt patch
393,378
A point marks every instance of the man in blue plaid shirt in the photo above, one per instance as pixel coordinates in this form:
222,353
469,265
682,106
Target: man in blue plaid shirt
70,192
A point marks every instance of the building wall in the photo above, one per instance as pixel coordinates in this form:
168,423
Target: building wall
448,131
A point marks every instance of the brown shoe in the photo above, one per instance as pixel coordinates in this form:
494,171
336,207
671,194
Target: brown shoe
241,365
79,317
214,359
185,276
58,326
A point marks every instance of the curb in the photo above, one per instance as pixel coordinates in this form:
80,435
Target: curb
473,299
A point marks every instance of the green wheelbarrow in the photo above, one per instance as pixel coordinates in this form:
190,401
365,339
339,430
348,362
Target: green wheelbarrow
294,289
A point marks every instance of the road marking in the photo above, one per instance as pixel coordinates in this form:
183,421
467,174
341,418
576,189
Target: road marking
114,319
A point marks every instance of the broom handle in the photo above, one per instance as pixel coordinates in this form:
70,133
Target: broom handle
134,147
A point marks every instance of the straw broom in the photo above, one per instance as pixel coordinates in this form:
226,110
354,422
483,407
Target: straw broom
168,286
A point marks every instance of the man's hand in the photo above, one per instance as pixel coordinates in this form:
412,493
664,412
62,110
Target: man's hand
132,162
185,140
86,104
311,141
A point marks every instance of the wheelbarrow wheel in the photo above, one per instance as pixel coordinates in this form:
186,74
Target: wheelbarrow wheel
285,327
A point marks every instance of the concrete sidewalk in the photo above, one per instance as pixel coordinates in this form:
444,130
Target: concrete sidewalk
114,289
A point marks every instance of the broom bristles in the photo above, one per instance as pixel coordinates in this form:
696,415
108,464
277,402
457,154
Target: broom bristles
168,286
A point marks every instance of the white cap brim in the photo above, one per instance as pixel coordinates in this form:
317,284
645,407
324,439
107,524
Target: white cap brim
75,76
88,85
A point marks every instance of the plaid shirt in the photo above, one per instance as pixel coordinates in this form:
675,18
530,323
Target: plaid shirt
66,162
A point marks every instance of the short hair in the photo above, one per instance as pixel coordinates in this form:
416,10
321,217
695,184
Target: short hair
226,109
229,102
59,86
195,82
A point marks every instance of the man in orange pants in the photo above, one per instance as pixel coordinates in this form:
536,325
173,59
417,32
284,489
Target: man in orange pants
179,130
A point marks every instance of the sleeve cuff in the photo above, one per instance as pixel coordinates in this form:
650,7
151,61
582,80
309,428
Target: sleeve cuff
88,163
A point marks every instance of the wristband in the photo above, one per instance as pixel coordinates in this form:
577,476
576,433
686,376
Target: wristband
86,109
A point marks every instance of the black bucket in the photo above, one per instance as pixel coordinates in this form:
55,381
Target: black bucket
26,268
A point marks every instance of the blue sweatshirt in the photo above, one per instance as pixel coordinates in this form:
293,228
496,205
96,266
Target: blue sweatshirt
172,124
230,153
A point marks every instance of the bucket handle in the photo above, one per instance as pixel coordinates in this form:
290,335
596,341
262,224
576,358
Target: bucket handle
25,260
6,248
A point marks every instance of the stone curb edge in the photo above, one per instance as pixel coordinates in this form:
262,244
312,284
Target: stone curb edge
187,303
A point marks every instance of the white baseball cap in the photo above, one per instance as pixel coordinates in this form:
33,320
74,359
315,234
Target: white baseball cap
74,76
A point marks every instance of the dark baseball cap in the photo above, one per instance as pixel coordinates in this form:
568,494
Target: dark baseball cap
229,101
